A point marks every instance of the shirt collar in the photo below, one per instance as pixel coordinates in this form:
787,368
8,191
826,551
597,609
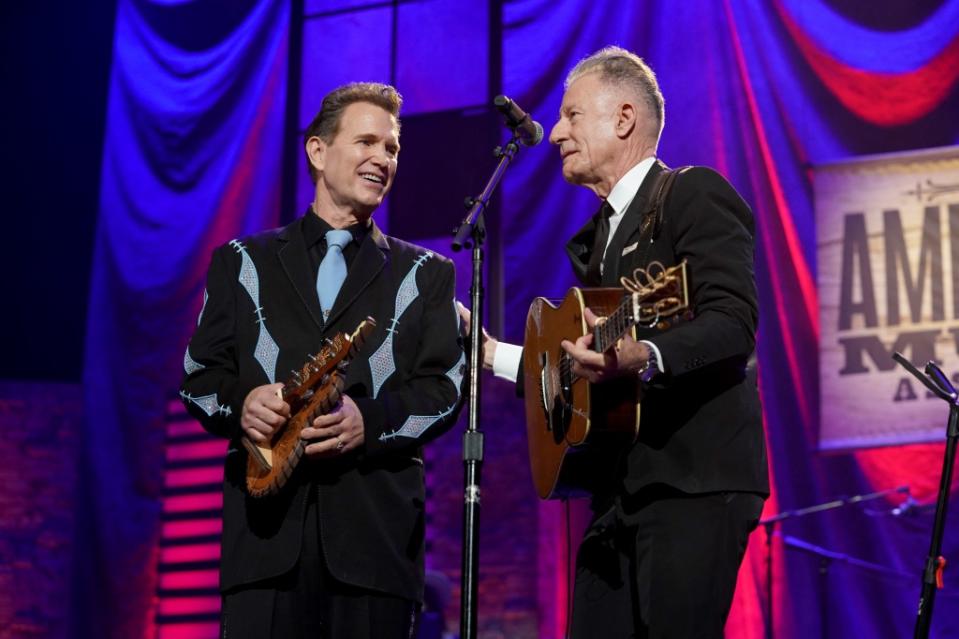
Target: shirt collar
315,228
625,190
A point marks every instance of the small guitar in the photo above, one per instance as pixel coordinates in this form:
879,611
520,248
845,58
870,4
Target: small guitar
312,391
565,415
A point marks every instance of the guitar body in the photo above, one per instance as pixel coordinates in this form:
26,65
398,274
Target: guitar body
567,417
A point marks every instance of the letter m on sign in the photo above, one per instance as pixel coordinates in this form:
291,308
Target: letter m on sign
918,346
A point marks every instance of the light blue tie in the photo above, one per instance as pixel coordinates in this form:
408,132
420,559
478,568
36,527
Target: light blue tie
332,271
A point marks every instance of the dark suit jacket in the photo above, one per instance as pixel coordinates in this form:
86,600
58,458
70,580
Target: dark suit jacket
261,318
701,421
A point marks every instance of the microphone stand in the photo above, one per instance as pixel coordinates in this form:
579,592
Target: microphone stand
940,386
826,559
471,233
769,525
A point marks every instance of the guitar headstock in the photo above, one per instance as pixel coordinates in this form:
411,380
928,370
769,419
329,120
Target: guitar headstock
334,351
657,292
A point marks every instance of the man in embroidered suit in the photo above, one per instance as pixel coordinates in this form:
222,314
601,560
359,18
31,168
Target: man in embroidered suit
339,551
661,555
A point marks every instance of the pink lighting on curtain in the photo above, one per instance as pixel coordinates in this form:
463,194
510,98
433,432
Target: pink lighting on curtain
208,630
886,99
190,579
190,503
189,605
210,449
180,477
918,466
191,528
192,552
808,306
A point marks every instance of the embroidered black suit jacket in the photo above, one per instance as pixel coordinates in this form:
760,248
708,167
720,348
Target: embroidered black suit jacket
701,421
261,319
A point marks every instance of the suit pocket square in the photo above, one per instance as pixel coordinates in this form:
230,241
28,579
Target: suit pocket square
629,249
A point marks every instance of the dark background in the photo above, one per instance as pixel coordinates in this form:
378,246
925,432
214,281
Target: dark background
55,70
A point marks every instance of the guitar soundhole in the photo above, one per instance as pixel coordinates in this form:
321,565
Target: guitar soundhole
555,395
562,413
559,419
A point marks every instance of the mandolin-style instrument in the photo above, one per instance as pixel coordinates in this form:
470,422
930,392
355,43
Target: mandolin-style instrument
312,391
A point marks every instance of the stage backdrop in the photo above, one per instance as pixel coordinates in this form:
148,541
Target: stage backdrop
762,91
192,158
888,248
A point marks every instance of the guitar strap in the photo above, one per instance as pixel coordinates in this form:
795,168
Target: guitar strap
653,217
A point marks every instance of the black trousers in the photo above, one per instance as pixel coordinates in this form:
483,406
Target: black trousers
662,564
309,603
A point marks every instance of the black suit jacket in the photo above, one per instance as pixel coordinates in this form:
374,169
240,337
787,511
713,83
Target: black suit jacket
261,318
701,421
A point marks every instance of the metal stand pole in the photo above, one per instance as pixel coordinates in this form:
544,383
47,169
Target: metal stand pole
827,558
472,233
937,382
935,562
769,525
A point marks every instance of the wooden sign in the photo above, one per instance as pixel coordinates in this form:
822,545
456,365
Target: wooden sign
888,280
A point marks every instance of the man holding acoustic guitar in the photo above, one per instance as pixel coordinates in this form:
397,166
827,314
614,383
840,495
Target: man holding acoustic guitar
678,478
323,495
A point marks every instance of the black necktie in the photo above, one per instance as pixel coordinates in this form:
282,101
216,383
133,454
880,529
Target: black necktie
594,276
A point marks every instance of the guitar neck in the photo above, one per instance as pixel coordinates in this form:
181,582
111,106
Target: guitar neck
617,324
660,295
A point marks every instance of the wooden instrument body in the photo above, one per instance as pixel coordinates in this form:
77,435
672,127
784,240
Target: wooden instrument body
314,390
577,432
565,417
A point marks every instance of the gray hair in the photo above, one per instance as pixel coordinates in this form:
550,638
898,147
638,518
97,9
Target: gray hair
618,67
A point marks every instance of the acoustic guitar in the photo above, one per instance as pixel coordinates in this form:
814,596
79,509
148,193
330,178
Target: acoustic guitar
571,424
312,391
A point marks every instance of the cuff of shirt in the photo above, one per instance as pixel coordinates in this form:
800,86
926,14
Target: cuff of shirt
657,365
506,360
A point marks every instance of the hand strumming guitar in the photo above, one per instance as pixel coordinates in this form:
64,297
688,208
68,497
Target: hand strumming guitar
263,412
627,358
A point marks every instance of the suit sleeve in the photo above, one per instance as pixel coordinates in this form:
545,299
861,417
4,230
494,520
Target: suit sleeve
712,228
210,384
426,403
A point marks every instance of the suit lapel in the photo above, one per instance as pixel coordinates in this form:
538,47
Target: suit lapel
629,227
579,247
296,263
369,261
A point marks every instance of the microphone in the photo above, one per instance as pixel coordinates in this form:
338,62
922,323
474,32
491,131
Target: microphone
529,131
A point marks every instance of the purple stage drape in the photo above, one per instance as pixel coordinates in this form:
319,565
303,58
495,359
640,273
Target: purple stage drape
759,90
192,159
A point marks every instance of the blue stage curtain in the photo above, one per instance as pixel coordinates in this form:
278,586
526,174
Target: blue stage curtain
761,91
192,159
